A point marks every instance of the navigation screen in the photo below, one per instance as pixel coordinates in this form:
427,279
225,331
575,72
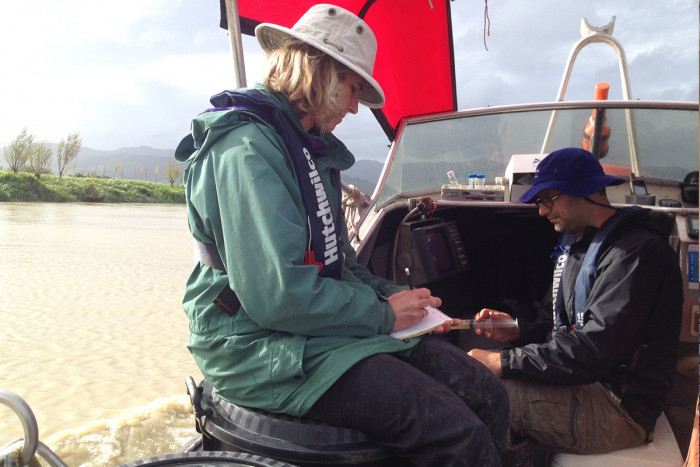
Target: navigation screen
439,251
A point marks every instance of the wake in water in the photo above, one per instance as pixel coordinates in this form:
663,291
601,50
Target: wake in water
160,428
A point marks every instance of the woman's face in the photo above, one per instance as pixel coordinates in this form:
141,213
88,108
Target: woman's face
351,85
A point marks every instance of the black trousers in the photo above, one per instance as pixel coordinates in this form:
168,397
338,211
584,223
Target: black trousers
439,407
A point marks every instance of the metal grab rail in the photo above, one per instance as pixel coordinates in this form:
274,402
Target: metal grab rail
30,444
592,35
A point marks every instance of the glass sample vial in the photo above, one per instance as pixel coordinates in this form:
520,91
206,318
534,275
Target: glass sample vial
471,180
480,181
452,178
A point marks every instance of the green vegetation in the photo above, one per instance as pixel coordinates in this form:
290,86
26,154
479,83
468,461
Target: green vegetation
67,151
22,186
24,154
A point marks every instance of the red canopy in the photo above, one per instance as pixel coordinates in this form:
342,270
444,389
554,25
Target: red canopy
415,62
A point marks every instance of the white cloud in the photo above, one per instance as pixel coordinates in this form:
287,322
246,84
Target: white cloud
135,72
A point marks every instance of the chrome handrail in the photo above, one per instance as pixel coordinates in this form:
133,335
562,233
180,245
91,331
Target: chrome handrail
30,444
603,35
26,416
551,105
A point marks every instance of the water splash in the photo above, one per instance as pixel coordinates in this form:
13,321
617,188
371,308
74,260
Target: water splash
161,427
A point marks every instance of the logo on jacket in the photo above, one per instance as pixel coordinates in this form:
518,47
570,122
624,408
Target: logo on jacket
324,213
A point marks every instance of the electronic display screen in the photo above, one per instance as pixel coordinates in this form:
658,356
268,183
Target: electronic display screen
692,224
439,251
639,188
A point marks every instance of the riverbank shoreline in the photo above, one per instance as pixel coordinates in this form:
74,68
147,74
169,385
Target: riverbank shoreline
22,186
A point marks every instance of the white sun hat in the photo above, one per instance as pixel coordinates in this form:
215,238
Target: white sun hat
340,34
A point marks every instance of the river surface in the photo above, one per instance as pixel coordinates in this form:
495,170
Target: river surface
92,328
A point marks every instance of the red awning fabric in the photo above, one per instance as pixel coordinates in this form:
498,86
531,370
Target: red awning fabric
415,61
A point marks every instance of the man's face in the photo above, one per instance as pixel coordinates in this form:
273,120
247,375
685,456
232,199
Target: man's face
568,214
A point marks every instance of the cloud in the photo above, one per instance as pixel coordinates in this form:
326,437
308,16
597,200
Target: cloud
135,72
529,46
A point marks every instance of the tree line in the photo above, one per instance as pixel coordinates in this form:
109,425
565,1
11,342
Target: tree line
26,152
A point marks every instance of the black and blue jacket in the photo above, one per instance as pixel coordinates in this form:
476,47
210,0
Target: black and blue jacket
631,323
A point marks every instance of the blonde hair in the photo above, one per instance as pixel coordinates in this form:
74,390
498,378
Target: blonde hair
309,78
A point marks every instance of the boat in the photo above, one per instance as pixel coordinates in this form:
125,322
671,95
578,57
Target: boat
469,239
446,209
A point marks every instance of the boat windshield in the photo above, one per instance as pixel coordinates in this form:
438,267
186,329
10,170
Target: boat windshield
665,143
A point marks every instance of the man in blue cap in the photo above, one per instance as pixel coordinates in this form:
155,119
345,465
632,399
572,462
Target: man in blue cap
594,377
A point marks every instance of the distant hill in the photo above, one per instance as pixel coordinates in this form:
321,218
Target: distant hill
364,175
139,163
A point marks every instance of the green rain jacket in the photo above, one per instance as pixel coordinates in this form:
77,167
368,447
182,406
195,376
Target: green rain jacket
295,333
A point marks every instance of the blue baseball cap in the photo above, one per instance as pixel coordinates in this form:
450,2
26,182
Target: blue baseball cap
571,171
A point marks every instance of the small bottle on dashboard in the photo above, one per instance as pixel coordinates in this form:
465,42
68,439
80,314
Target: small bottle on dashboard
452,178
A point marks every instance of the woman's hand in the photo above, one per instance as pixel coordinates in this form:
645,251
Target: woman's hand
497,334
409,306
446,326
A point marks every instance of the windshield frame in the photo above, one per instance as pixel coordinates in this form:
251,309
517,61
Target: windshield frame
555,107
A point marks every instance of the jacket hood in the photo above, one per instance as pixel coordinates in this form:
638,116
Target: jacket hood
230,106
206,129
660,223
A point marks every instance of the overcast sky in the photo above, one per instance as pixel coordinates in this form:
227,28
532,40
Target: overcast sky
134,72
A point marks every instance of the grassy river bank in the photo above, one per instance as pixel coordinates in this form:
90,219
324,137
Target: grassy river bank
23,186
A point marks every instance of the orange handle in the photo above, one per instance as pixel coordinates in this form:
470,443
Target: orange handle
601,91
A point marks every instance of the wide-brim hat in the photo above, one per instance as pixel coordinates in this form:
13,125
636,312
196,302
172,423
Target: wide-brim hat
338,33
571,171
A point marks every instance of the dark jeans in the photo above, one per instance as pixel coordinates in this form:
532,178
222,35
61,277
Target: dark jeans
438,407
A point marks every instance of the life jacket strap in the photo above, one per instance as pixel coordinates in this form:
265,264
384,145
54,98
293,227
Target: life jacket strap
206,253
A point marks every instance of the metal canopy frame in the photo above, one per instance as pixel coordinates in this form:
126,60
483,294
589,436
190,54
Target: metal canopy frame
234,34
603,35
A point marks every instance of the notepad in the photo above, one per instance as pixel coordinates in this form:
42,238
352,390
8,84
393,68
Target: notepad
432,320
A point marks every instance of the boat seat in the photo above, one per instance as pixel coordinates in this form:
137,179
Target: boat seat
663,451
226,426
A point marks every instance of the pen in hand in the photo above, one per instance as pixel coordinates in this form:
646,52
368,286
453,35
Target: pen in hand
408,277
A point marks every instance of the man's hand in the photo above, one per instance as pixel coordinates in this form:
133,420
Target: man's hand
497,334
491,359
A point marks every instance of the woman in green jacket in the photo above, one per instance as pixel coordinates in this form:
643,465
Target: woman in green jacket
282,317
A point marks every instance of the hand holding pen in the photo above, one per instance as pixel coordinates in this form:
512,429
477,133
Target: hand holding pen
408,278
443,328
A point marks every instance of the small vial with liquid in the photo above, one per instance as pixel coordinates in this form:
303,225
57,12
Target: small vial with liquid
487,324
452,178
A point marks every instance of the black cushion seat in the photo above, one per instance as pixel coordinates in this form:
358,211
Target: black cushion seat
296,440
